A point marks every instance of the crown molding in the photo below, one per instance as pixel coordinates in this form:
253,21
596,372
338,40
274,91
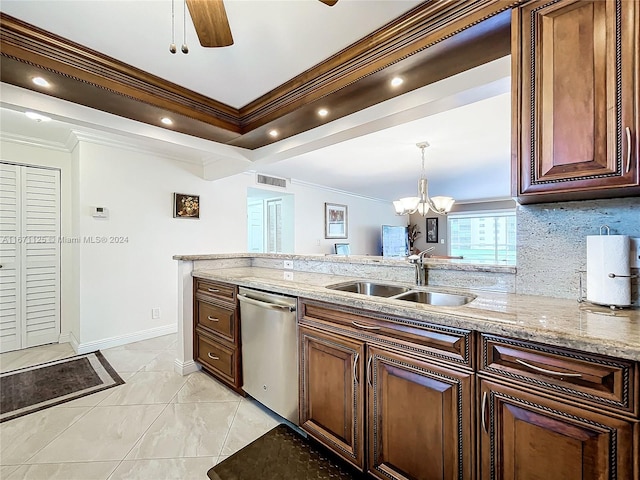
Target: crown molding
33,141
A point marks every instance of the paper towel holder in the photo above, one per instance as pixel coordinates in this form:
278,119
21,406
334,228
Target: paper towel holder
613,275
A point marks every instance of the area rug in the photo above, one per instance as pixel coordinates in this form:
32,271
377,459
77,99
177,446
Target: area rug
27,390
283,454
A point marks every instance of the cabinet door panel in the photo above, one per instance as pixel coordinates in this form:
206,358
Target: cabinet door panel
419,419
526,436
575,96
331,394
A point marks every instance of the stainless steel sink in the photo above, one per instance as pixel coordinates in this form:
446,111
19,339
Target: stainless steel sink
435,298
370,288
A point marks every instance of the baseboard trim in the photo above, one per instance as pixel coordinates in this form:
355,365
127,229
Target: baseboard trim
124,339
185,368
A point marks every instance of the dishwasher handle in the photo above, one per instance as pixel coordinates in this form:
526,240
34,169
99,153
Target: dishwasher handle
243,297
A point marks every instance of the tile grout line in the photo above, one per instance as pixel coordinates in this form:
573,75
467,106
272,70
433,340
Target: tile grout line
150,424
224,442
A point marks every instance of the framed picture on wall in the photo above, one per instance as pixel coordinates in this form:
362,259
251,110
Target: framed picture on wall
335,221
432,230
186,205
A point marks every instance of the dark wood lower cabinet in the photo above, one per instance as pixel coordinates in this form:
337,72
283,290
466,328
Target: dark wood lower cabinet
525,436
332,392
419,419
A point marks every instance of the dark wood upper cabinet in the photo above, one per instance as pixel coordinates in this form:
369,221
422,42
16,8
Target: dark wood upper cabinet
575,100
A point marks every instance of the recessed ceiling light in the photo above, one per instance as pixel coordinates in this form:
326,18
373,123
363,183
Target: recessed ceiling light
37,117
396,81
166,121
41,82
273,133
323,112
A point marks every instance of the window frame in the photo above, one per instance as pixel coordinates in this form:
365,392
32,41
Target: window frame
510,212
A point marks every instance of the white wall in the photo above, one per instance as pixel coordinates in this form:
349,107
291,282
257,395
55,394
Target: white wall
110,288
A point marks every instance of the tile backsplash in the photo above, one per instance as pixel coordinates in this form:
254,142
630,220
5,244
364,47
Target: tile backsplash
552,244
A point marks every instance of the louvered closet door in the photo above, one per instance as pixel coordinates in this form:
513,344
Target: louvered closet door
10,311
30,256
41,255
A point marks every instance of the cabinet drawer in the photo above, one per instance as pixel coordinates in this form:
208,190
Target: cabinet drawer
215,356
218,319
609,382
443,343
220,291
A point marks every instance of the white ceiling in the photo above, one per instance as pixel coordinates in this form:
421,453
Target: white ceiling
466,119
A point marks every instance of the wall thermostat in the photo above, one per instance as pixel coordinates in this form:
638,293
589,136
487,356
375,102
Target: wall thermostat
99,212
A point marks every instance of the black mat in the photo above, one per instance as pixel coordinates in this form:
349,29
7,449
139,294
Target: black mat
283,454
34,388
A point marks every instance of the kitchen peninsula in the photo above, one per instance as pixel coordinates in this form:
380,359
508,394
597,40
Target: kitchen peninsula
506,377
497,309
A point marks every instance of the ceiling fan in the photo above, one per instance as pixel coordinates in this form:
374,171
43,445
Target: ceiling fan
211,23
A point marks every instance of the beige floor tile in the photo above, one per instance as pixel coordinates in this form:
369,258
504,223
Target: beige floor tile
6,470
186,430
201,387
22,437
164,362
250,422
145,388
65,471
129,360
34,356
166,469
104,433
221,458
164,342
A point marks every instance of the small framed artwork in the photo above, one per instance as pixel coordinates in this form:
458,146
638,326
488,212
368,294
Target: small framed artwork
186,205
335,221
432,230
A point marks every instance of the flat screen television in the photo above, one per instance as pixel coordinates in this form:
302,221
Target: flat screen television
395,241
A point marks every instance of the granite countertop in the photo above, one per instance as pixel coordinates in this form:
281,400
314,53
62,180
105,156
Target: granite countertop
553,321
432,263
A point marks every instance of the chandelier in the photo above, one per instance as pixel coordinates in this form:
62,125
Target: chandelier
422,204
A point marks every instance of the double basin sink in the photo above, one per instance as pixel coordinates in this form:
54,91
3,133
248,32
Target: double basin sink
403,293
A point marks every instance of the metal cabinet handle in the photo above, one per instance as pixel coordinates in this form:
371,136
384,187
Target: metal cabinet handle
549,372
212,357
355,368
213,290
271,306
366,327
629,149
213,319
369,371
483,414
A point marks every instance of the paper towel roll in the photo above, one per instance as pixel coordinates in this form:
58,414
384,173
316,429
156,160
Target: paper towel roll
608,254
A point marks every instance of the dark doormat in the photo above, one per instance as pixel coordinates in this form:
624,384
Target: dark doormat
30,389
283,454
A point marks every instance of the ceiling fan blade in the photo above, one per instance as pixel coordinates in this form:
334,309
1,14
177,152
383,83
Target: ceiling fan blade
211,23
331,3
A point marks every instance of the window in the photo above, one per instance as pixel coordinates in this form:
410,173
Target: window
488,237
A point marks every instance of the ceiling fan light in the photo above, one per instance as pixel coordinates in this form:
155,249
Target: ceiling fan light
443,204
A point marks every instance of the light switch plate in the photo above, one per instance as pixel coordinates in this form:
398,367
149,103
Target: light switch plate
635,253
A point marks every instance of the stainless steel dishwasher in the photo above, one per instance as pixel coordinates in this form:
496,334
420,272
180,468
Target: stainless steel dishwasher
269,350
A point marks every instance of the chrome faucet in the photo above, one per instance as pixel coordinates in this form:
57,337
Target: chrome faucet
418,261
